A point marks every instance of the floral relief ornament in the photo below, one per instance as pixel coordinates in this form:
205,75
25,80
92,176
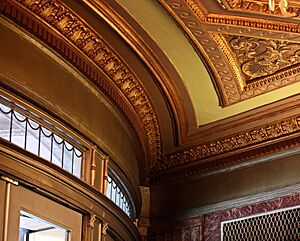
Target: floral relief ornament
263,57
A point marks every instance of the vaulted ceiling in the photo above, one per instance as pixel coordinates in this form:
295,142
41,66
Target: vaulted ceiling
222,83
239,65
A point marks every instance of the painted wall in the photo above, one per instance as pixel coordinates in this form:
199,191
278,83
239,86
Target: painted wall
194,197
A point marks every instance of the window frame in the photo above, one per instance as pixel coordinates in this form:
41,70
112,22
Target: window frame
49,122
121,184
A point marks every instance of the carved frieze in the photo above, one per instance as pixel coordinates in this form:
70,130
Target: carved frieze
228,144
259,62
262,57
62,20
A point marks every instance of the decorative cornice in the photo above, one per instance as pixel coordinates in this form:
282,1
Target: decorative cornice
238,141
229,151
60,19
224,163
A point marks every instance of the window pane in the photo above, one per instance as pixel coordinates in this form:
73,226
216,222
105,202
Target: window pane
18,130
35,229
57,151
32,140
77,163
5,116
115,193
45,145
68,154
108,191
77,166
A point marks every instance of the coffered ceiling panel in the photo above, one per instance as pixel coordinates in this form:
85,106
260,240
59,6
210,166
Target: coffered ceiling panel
226,92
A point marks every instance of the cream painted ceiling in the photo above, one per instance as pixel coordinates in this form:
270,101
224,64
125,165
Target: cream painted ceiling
170,38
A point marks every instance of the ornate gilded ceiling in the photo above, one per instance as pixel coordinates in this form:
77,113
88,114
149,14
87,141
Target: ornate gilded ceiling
262,7
253,62
212,34
257,65
229,79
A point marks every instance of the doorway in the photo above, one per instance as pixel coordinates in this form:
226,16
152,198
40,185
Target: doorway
29,216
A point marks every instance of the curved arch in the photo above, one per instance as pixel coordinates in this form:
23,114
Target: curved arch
63,30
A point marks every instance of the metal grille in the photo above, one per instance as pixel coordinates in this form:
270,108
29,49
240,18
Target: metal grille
283,225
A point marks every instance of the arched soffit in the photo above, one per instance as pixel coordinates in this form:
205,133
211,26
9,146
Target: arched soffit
59,27
190,15
180,113
63,30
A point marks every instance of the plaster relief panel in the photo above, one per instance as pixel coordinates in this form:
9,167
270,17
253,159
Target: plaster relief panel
260,57
259,65
262,7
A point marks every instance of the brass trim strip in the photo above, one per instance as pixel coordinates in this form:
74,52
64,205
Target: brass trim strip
6,209
9,180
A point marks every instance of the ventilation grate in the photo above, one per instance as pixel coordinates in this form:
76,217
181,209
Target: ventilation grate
281,225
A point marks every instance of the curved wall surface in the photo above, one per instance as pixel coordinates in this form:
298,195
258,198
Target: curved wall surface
35,75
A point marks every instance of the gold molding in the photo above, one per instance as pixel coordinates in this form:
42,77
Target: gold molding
66,23
233,63
239,141
150,53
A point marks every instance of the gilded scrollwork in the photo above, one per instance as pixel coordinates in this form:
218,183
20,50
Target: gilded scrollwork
67,23
263,57
280,8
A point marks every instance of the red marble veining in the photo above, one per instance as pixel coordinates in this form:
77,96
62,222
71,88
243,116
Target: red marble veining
212,222
183,230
